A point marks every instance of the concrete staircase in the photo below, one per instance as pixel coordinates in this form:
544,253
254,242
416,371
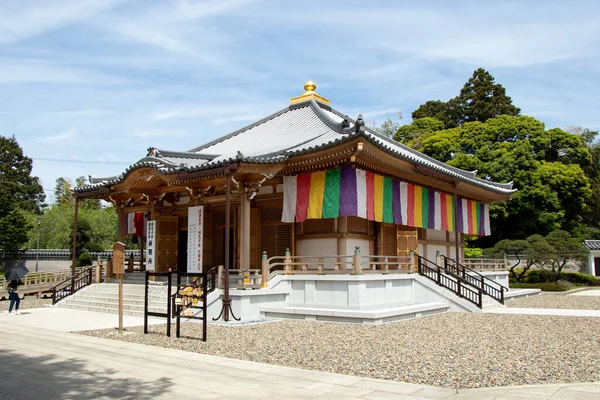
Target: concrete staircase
104,297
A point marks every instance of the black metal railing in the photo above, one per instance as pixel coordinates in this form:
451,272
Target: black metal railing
461,287
492,288
72,285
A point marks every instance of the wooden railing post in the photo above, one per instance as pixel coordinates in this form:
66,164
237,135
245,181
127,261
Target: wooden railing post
288,262
109,269
98,269
438,258
385,265
265,270
220,275
320,266
357,264
413,262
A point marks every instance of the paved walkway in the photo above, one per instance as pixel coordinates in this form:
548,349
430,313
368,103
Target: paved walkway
40,363
68,320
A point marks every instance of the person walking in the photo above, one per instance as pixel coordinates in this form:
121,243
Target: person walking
13,295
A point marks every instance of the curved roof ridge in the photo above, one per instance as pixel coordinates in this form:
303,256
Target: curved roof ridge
326,119
186,154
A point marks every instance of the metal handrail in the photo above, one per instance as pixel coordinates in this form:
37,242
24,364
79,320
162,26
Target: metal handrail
72,285
461,287
492,288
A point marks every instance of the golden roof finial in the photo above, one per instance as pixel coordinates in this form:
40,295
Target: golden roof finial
310,86
309,95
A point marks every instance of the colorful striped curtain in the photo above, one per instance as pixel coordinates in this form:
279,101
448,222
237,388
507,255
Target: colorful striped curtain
353,192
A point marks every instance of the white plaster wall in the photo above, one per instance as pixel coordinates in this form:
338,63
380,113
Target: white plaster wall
432,249
421,249
317,247
363,244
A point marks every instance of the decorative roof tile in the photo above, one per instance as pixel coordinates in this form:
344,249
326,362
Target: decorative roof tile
592,244
298,129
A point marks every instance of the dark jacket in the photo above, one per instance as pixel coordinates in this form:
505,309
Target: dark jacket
12,286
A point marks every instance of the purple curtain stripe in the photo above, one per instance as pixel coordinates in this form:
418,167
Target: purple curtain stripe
348,201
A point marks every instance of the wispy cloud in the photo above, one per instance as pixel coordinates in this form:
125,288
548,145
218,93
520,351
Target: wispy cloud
81,113
22,20
103,80
67,134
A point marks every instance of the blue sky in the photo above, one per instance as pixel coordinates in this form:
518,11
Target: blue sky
88,86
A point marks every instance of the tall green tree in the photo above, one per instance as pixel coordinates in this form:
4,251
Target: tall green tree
546,166
480,99
591,213
19,192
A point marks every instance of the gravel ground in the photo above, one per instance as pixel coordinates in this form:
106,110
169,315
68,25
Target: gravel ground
27,302
557,300
457,350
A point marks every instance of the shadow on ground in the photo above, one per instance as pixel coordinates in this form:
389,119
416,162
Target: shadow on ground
51,377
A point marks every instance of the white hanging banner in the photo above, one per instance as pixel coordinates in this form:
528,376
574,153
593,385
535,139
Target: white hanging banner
195,231
151,246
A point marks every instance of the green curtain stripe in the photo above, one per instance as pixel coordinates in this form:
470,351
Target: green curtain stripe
425,208
331,200
388,199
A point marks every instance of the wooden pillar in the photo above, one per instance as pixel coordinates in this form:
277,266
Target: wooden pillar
244,232
227,241
74,248
122,217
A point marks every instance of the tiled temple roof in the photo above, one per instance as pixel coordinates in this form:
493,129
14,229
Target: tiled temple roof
297,129
592,244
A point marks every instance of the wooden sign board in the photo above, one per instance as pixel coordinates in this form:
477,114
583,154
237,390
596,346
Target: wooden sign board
119,258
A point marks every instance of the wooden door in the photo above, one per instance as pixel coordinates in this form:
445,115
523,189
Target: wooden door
407,240
168,232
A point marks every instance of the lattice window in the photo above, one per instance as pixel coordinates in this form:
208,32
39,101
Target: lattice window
275,239
219,219
389,240
271,214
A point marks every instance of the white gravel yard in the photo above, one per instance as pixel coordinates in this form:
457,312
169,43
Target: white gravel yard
27,303
560,300
458,350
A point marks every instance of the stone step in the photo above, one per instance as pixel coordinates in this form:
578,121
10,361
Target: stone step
111,300
140,307
134,313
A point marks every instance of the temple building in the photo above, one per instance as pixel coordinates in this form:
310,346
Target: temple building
288,203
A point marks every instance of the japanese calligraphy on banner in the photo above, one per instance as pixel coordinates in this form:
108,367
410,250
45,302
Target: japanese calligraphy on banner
195,231
151,247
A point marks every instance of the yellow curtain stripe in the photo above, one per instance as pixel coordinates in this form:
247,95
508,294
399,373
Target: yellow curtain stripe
378,198
317,192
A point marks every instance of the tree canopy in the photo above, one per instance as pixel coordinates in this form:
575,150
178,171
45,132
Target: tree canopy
479,100
19,191
547,167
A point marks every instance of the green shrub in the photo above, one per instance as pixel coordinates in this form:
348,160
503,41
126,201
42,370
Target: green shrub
546,286
473,252
579,278
539,276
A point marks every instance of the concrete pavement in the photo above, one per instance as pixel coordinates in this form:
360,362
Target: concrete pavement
40,363
67,320
45,364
